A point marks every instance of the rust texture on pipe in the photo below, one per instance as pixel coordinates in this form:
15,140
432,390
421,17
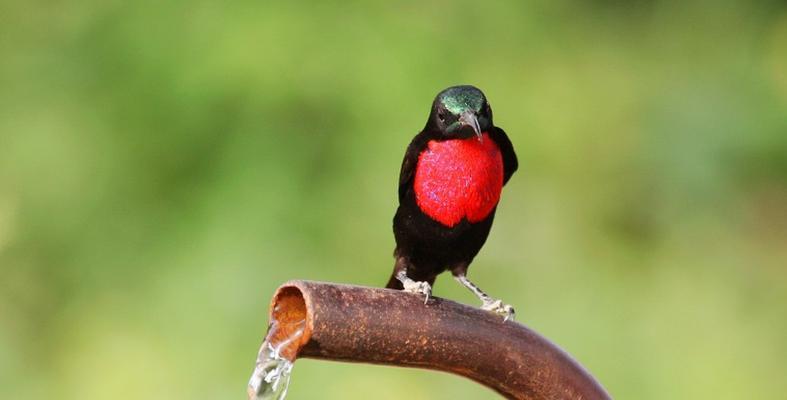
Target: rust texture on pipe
384,326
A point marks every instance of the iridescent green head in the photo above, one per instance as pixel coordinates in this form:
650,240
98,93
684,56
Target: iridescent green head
460,112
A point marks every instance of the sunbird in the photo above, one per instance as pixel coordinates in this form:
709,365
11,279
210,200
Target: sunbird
449,186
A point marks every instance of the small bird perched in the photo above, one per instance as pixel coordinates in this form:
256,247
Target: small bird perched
449,186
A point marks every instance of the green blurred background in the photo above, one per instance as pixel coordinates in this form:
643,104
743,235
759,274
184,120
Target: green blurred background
164,166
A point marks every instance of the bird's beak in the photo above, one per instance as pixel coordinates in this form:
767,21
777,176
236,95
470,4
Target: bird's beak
468,118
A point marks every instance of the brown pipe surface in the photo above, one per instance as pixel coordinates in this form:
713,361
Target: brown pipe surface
385,326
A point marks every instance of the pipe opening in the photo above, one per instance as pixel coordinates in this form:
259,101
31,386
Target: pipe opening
288,325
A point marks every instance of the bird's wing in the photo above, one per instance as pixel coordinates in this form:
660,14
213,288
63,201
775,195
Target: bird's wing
409,163
510,163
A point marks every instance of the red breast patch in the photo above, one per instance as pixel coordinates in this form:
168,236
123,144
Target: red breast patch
460,178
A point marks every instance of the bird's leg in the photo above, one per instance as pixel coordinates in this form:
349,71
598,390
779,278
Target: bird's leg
410,285
489,304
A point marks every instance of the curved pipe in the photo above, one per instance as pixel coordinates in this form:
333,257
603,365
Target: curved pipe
385,326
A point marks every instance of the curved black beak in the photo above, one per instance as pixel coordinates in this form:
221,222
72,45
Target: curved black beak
468,118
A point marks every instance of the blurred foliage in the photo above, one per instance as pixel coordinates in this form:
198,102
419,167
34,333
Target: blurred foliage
165,165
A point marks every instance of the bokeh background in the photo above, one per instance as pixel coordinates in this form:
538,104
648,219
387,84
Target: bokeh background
164,166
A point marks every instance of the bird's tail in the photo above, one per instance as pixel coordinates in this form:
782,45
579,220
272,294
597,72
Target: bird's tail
394,283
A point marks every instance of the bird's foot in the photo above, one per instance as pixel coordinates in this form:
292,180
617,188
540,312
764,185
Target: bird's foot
497,307
418,287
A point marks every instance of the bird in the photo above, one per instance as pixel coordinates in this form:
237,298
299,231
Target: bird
450,184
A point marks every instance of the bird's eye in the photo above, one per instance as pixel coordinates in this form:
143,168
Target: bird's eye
441,115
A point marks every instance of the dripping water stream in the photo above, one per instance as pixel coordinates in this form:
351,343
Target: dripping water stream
271,377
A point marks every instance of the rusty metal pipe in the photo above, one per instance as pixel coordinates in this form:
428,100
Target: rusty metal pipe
384,326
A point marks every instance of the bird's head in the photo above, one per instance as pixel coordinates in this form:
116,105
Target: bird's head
460,112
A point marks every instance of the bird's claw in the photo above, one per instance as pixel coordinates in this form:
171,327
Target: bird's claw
497,307
419,287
